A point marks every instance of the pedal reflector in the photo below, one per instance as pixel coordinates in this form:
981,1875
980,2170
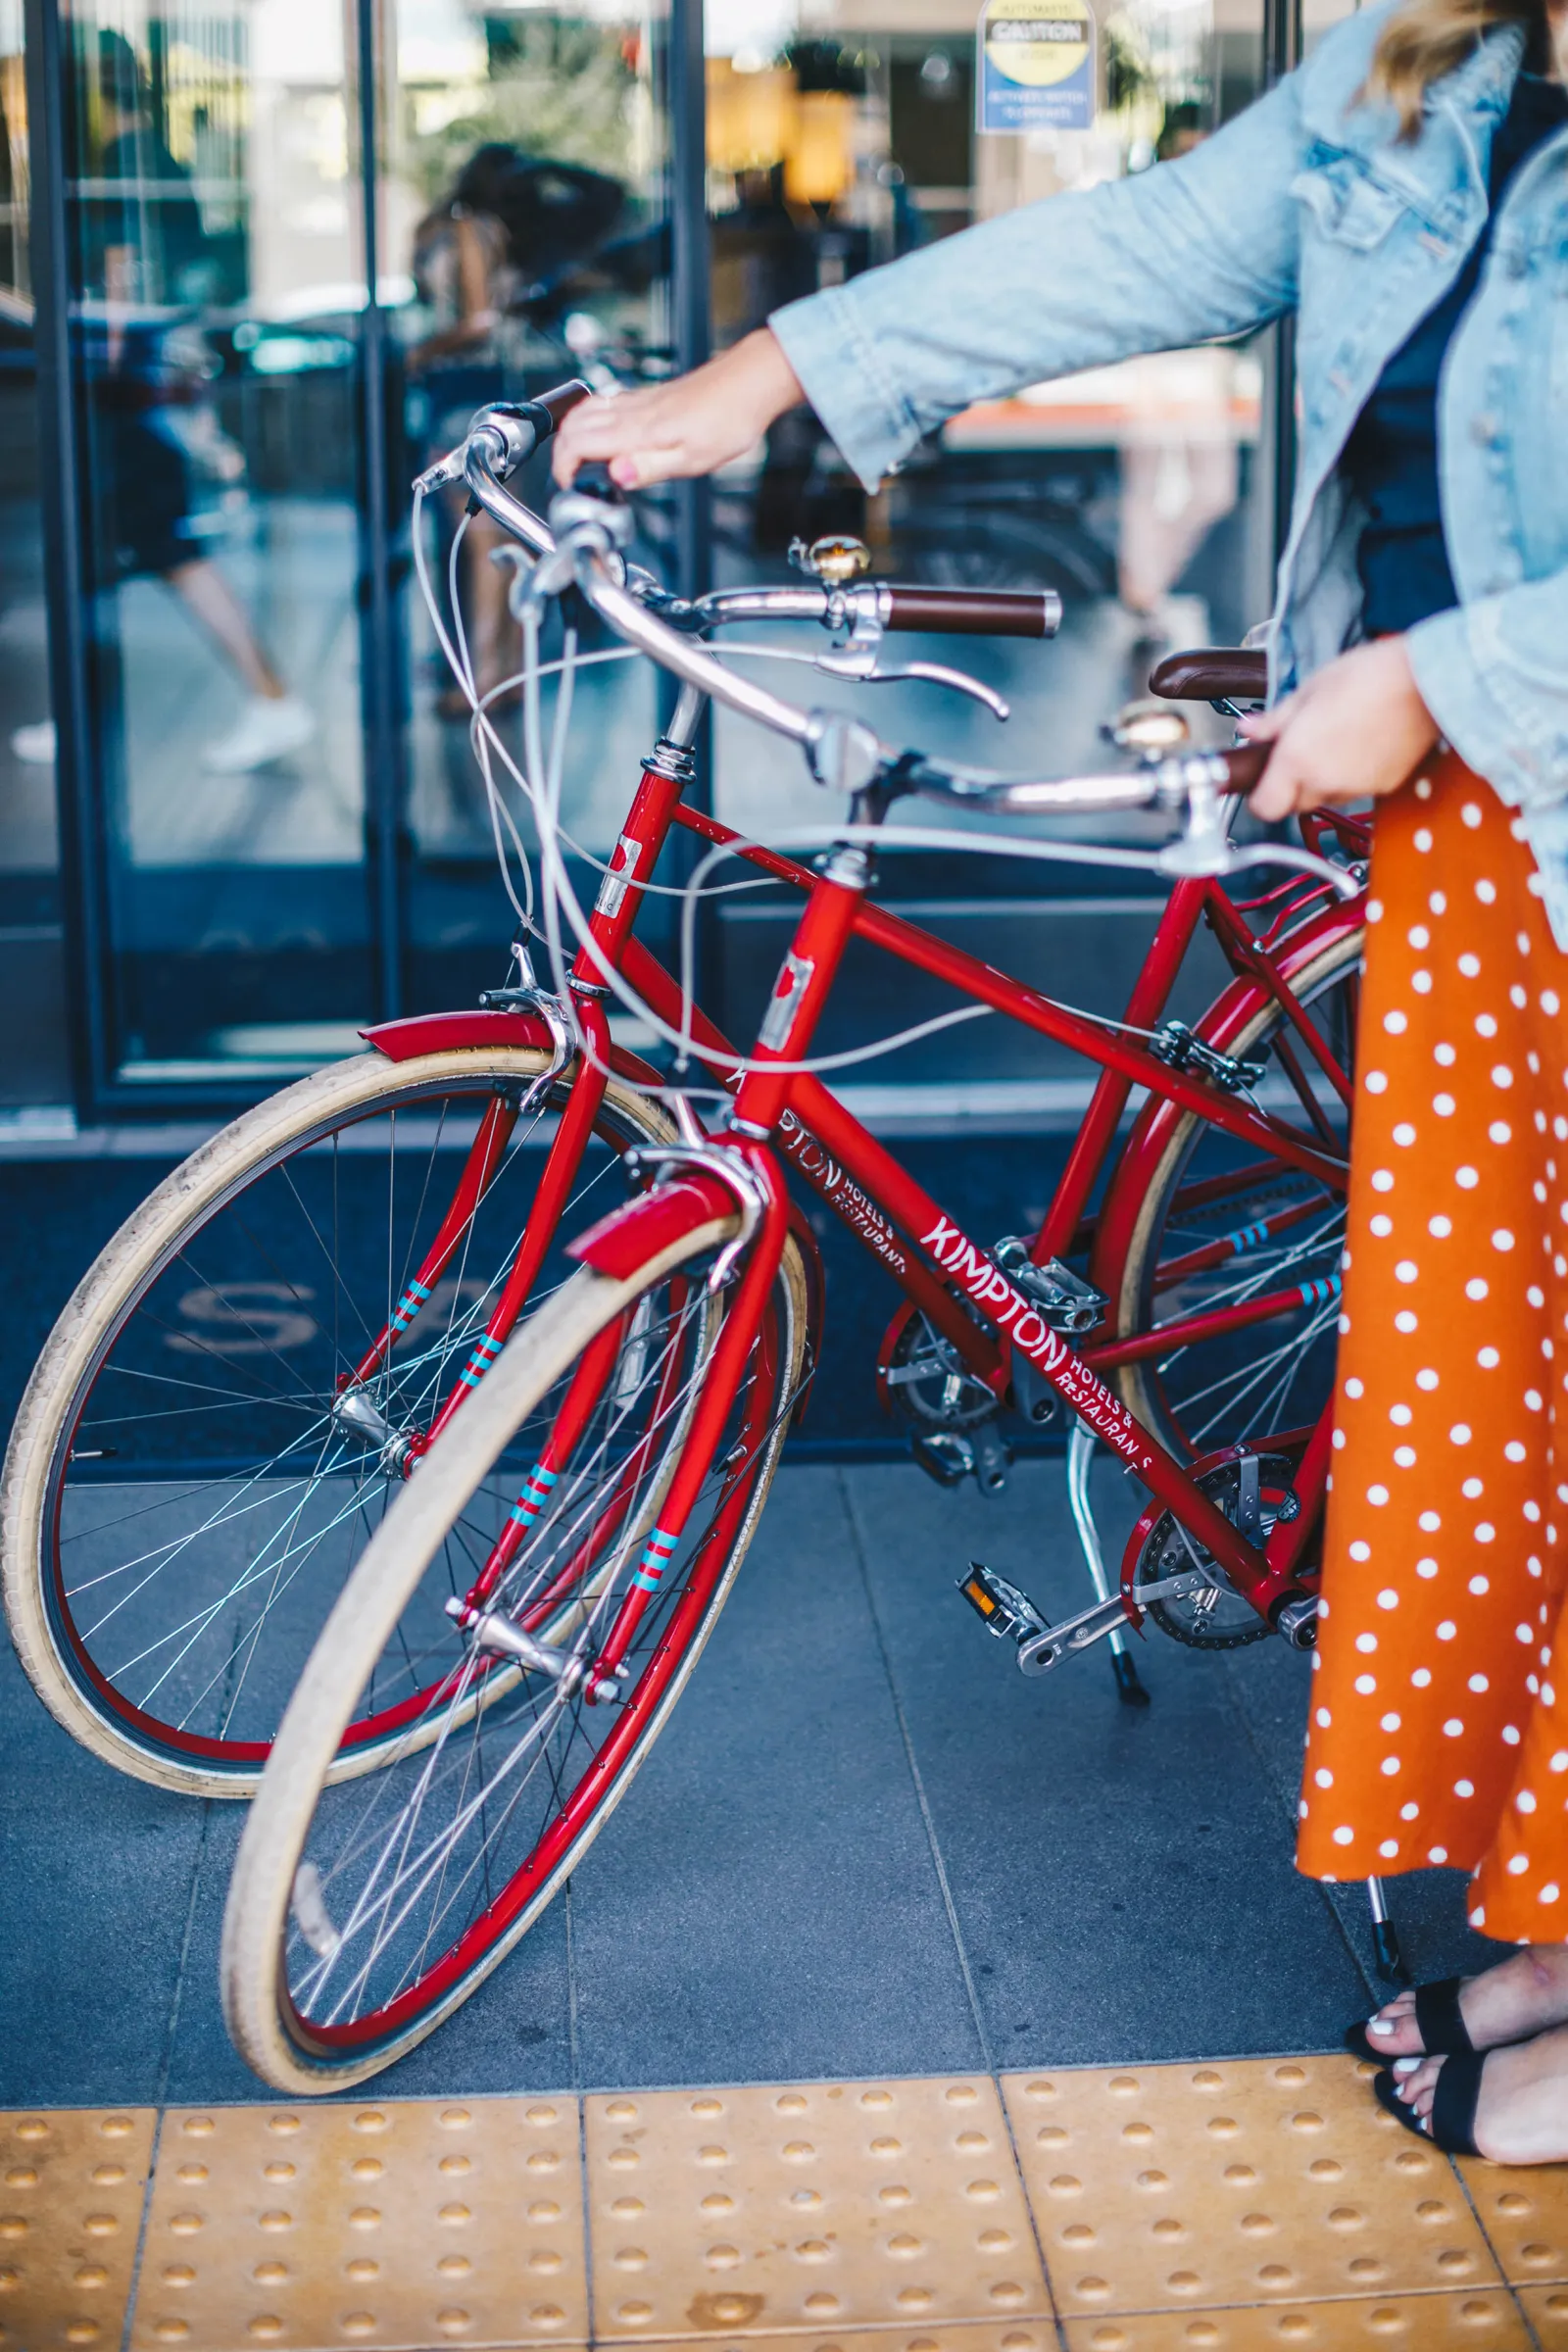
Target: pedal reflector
1000,1607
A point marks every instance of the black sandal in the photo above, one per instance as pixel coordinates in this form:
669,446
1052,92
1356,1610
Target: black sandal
1442,2027
1452,2121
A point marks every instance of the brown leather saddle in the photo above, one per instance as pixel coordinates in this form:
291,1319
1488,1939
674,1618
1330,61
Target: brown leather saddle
1211,673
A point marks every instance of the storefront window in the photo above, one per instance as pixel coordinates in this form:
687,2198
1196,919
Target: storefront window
525,203
33,1058
217,295
846,136
280,788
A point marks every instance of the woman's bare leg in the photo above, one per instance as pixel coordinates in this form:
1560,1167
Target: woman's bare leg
208,597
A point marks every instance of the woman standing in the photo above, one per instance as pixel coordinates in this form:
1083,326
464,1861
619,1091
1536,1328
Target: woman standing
1405,193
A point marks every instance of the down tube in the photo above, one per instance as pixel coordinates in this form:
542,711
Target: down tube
968,1265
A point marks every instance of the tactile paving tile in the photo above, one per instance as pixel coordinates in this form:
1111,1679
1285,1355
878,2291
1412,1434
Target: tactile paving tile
412,2223
1488,2322
1241,2181
69,2216
1524,2212
957,2335
1548,2306
768,2210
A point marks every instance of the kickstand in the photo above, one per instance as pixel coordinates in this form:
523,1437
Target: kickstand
1386,1952
1080,1457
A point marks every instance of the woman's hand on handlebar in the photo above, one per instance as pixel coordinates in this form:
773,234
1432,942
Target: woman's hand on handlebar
689,426
1354,732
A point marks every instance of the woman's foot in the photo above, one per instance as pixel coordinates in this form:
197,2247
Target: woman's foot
1522,1995
1522,2112
270,727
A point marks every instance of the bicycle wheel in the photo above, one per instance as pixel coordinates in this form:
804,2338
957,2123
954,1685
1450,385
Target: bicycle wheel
184,1497
360,1915
1219,1232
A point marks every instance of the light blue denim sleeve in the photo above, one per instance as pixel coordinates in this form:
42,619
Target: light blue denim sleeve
1493,673
1192,249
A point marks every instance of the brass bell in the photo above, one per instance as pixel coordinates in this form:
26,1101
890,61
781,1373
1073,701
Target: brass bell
838,558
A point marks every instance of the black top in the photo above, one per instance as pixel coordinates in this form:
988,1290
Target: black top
149,209
1392,456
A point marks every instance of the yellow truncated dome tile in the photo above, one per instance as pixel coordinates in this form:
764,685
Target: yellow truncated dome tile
1548,2306
956,2336
1488,2321
71,2182
1257,2181
395,2222
808,2206
1523,2211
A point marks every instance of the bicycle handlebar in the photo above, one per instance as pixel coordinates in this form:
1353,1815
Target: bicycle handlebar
847,755
973,611
842,752
508,432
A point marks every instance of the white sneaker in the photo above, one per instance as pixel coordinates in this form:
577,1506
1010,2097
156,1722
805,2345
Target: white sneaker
34,746
268,729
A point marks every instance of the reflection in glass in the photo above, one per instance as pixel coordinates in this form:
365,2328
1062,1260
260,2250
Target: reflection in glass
841,135
215,328
525,192
33,1053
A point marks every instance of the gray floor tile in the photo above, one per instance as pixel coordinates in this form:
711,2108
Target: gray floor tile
1123,1879
97,1873
764,1904
512,2036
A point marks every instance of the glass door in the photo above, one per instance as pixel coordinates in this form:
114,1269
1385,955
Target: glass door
843,135
217,303
524,207
33,1052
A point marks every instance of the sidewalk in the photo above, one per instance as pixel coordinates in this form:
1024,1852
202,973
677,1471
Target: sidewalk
866,1846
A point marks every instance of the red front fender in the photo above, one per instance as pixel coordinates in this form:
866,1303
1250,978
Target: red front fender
454,1032
652,1223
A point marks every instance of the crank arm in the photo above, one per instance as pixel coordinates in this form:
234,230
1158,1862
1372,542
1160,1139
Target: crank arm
1047,1648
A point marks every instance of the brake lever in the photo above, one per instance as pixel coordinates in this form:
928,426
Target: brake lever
857,663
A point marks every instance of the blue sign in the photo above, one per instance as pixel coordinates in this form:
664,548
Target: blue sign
1035,67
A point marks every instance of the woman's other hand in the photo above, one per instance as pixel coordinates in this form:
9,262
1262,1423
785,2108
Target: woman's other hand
690,426
1354,731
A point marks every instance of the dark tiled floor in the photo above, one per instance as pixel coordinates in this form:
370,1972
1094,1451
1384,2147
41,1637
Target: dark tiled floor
865,1845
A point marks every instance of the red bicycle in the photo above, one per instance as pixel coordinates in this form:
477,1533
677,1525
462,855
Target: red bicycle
539,1593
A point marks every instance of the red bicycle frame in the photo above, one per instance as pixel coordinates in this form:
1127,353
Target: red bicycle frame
928,1252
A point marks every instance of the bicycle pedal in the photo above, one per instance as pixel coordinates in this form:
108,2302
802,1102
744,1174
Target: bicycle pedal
1000,1606
951,1455
943,1454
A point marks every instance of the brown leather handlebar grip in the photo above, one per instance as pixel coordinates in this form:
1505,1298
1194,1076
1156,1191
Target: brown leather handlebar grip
976,611
559,404
1247,764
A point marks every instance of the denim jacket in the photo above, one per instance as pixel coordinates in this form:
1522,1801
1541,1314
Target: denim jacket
1305,202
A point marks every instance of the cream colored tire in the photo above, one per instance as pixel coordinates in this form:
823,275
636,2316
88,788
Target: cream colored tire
255,1919
107,1294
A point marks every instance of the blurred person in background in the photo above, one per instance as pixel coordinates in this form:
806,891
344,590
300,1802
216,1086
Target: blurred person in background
464,281
142,253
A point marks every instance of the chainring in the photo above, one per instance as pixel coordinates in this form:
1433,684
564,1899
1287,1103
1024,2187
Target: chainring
1217,1618
923,1379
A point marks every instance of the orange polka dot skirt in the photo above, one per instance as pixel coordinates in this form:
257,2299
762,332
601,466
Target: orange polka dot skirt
1438,1734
